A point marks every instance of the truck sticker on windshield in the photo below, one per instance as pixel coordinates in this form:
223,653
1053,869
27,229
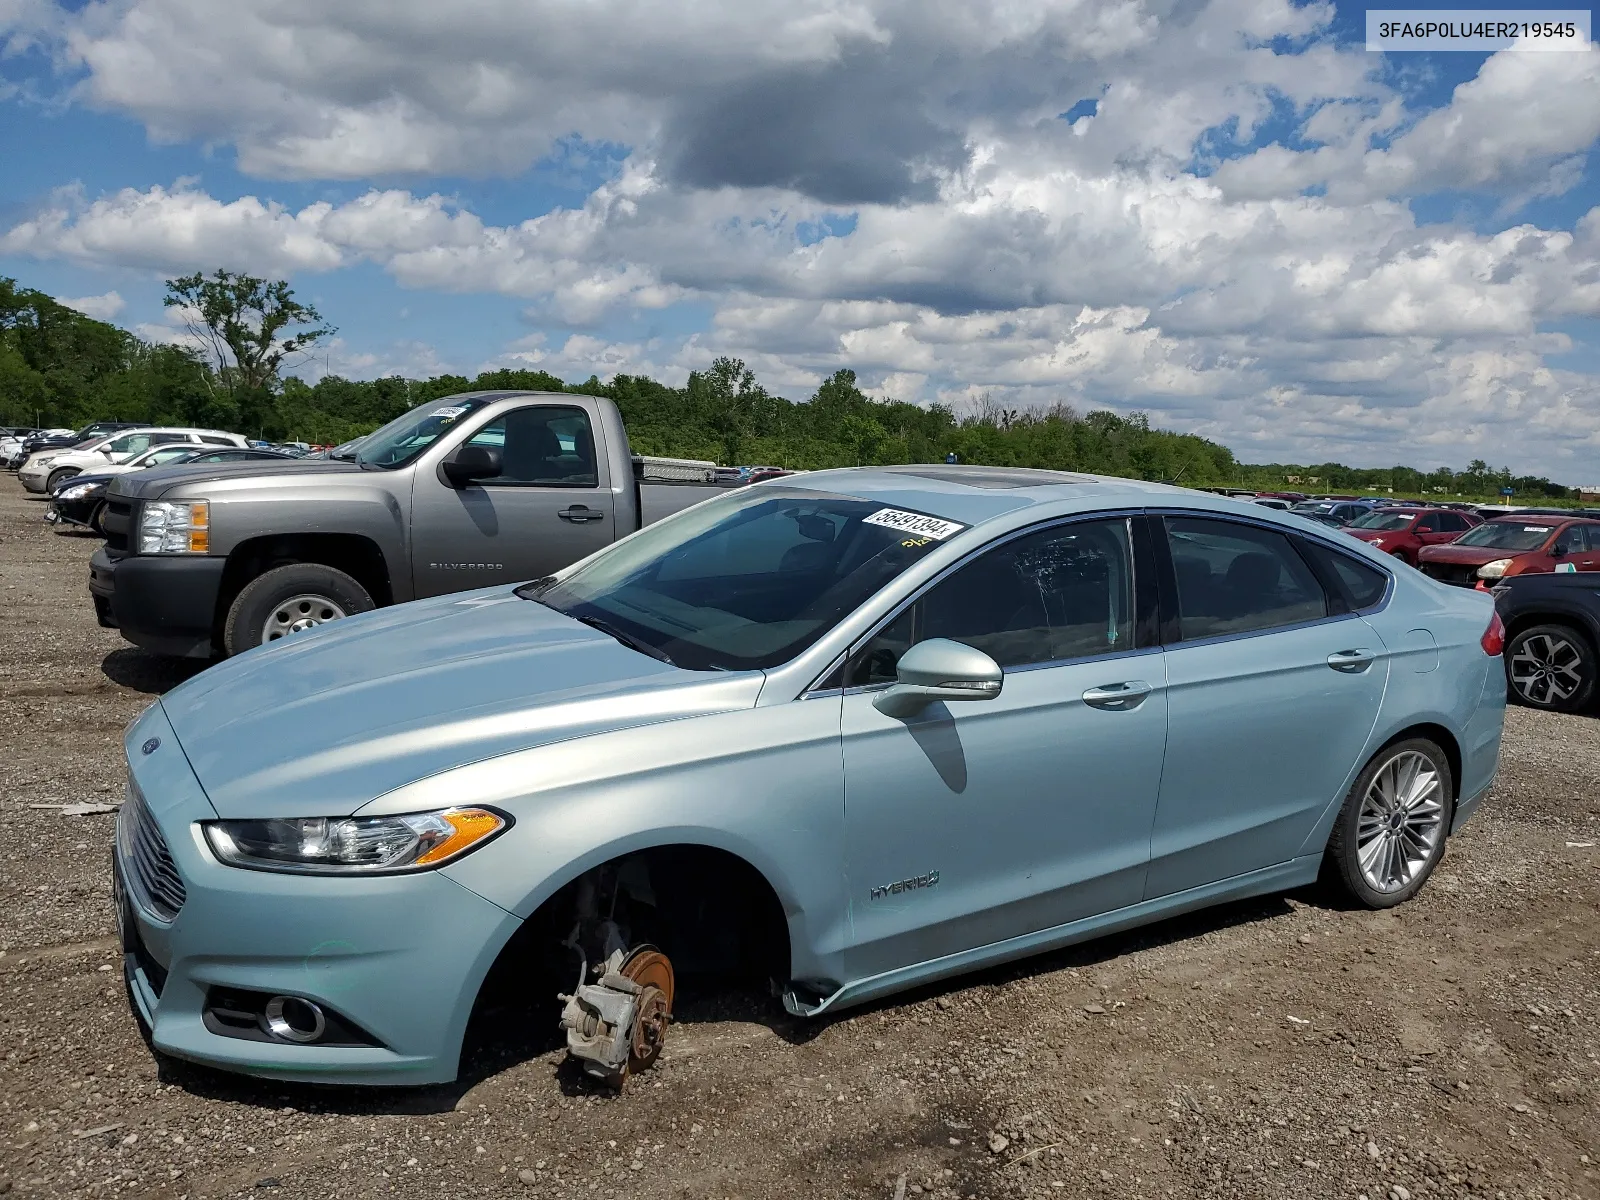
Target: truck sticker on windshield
916,523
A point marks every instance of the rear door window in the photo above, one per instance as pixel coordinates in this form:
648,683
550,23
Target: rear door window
1234,578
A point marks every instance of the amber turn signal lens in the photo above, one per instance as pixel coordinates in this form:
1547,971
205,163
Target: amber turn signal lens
470,825
199,541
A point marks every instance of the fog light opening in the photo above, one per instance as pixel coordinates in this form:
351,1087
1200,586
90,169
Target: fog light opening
291,1019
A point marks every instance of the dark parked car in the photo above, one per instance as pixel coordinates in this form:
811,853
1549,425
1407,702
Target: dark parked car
1552,625
1337,512
1520,545
1402,532
81,500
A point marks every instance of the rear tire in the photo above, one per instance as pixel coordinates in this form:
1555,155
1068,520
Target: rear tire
1390,834
57,476
286,599
1551,667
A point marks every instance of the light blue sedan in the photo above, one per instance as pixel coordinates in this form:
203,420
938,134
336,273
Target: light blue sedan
852,731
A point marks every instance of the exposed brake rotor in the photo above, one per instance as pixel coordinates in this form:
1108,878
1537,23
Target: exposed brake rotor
652,971
616,1025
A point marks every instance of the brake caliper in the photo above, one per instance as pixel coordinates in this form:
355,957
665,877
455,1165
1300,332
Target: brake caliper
616,1025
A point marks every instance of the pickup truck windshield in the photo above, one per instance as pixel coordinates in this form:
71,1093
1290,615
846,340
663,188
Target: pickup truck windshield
745,581
402,439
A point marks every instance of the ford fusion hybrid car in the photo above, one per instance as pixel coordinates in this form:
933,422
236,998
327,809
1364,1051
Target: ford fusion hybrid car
851,731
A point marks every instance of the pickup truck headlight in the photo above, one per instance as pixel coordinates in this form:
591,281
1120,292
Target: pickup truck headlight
353,845
175,527
1494,569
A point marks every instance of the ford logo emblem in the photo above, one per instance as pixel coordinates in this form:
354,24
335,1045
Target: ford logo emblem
151,746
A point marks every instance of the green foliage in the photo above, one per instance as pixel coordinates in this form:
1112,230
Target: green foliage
59,367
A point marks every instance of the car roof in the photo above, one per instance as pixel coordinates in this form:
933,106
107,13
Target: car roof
974,494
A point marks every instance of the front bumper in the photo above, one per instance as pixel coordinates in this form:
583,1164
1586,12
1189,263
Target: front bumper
34,480
398,957
165,603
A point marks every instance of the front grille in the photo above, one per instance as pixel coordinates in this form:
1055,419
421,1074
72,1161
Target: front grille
118,523
150,873
1459,574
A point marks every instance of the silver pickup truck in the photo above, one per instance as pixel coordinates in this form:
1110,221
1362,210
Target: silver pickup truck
462,492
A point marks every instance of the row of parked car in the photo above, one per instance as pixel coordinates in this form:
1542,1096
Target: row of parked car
76,469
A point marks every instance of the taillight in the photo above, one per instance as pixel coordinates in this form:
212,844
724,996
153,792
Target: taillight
1494,637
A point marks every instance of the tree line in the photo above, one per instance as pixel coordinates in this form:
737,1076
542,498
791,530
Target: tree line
59,367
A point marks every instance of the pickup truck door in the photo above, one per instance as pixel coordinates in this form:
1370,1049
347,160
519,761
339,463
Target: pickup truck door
550,506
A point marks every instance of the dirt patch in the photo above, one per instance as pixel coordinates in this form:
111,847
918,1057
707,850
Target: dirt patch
1280,1047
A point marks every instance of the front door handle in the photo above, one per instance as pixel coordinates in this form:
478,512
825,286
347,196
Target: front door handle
1352,662
1117,697
580,513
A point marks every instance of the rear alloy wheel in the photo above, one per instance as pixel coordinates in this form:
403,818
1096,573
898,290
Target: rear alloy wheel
1391,831
1551,667
291,599
58,476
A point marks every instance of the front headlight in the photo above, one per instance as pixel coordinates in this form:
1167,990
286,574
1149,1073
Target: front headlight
175,527
1375,542
77,492
353,845
1495,569
43,460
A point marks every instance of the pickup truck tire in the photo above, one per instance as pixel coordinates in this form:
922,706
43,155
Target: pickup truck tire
290,598
1552,667
57,476
1390,833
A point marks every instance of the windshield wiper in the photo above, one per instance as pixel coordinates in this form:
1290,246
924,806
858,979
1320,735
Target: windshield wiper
630,643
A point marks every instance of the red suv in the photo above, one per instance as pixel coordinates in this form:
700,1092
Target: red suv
1514,545
1403,531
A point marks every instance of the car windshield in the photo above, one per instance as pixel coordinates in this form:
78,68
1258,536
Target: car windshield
745,581
402,439
1506,535
1384,520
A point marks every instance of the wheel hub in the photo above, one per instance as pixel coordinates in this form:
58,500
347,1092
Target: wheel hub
297,614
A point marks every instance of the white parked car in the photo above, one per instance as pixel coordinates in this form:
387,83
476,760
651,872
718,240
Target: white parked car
44,470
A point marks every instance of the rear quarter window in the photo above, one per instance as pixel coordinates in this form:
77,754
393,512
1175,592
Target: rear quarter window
1362,583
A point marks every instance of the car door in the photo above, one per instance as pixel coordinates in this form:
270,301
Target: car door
1575,549
974,822
1271,698
550,505
1437,528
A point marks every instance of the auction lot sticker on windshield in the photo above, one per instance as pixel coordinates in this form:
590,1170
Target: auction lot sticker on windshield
451,413
910,522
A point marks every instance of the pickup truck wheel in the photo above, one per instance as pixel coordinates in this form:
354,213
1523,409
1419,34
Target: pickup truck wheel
289,599
58,475
1551,667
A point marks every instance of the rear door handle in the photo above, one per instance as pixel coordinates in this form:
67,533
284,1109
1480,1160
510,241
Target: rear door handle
580,513
1352,662
1118,697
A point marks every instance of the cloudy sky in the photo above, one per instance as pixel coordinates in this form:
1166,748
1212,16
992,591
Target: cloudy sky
1227,213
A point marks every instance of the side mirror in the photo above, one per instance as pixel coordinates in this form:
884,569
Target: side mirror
469,463
939,669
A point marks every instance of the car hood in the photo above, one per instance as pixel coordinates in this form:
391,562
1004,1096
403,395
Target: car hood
152,482
328,720
1472,556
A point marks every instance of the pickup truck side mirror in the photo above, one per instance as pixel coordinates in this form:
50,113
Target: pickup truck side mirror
469,463
939,669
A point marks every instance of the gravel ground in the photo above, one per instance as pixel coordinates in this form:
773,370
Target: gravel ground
1279,1047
